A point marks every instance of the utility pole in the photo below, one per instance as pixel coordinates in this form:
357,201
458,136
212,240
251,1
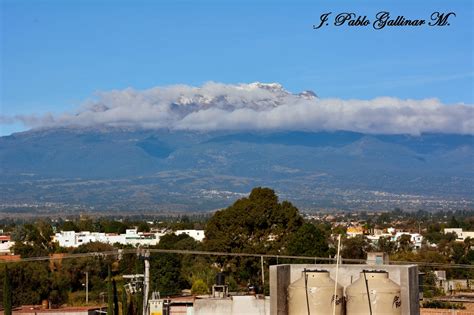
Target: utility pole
146,280
338,260
87,287
137,284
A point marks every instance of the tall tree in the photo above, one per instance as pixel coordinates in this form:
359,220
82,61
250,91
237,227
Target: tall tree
124,301
110,293
355,247
116,303
131,307
384,244
308,240
404,243
257,224
7,294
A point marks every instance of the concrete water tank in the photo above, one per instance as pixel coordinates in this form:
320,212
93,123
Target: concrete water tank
313,294
376,287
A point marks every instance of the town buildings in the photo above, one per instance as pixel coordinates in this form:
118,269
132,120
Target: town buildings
130,237
416,239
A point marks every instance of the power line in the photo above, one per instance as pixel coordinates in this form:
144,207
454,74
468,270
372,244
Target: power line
210,253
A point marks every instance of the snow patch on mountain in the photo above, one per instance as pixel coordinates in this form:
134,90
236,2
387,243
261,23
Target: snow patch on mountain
257,106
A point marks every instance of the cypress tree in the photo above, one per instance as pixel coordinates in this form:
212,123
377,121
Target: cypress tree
139,304
110,293
116,303
7,294
131,307
124,301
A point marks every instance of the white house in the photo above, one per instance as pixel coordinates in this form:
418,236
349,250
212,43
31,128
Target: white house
415,238
461,235
198,235
5,244
131,237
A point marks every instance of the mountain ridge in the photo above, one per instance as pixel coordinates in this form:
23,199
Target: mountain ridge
137,162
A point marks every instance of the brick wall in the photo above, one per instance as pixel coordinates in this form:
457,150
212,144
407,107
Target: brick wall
437,311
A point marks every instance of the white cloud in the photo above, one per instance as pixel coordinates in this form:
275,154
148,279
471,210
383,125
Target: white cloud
216,106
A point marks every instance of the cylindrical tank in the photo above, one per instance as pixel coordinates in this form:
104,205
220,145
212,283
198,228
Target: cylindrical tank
220,279
314,291
384,295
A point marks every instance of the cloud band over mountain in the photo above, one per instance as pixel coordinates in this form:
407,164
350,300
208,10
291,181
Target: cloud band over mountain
257,106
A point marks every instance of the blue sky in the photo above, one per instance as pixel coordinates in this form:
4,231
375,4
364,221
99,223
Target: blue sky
56,54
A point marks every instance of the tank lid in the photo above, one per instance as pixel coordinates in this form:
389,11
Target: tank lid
374,274
315,270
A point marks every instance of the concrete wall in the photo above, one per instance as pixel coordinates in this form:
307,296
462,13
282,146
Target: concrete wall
282,275
434,311
235,305
459,284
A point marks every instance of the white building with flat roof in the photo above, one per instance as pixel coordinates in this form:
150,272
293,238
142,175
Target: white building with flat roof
198,235
461,235
5,244
131,237
415,238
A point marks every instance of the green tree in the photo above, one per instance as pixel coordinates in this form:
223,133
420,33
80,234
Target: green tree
30,281
308,240
113,227
385,245
257,224
429,285
69,226
7,293
184,223
87,224
453,223
428,255
143,227
59,288
199,287
128,261
404,243
116,302
339,229
124,301
131,307
110,293
355,247
434,233
384,219
165,270
32,240
26,250
181,241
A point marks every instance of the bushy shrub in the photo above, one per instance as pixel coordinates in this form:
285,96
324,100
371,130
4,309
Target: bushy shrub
199,287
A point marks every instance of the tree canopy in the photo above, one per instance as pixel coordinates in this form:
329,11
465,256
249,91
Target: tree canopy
308,240
260,224
257,224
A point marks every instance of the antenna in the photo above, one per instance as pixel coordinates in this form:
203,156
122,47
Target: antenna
337,273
